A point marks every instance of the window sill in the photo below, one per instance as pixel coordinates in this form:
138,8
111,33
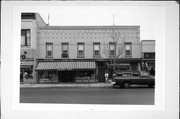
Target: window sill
97,57
80,57
49,57
128,56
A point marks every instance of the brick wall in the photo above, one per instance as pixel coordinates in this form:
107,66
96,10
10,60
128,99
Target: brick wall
88,35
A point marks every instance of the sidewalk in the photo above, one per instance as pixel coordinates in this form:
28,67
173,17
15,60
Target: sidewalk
67,85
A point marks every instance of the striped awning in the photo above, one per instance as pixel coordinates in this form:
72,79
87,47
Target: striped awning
46,66
85,65
65,65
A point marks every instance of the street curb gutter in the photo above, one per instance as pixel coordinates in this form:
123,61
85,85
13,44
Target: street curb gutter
96,85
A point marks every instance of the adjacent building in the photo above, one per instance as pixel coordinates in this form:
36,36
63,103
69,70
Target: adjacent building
148,54
79,53
29,26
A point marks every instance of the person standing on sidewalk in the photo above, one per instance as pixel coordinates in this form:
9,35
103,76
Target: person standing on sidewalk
25,75
106,77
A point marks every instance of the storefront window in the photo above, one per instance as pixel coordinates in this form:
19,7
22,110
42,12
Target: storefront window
85,76
48,76
26,72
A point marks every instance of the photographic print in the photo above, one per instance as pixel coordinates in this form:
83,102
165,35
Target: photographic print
87,62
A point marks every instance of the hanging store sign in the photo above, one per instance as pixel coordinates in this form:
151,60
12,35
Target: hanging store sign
26,63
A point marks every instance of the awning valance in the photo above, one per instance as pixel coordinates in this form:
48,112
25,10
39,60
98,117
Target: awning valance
65,65
46,66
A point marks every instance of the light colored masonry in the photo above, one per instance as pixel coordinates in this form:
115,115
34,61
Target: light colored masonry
88,35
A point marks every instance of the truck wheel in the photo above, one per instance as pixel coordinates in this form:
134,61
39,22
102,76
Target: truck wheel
114,85
121,85
126,85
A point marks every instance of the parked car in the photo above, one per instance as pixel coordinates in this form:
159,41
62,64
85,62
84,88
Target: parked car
126,78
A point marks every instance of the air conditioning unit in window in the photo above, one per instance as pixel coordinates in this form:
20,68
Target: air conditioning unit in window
64,55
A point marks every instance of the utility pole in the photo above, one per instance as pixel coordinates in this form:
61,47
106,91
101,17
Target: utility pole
48,19
113,19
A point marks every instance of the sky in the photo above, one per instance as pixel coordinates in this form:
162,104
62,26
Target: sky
147,17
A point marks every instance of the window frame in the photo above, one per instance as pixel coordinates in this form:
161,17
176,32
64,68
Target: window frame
128,43
63,43
26,38
110,53
151,55
83,53
49,43
99,51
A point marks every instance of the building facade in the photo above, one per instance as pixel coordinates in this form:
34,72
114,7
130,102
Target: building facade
29,25
148,54
79,53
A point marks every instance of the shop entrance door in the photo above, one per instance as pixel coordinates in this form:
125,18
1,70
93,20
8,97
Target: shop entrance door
21,75
66,76
28,70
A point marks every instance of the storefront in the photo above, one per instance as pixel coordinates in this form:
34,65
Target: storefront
49,76
27,66
26,71
123,64
70,71
149,61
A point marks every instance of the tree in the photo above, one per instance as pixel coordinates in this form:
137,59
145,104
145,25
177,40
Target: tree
118,41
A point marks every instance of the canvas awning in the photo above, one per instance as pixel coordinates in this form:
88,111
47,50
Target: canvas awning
46,66
65,65
85,65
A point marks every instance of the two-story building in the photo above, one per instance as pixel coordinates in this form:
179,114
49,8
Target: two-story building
84,53
29,25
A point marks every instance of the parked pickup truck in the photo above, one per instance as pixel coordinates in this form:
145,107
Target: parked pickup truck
125,78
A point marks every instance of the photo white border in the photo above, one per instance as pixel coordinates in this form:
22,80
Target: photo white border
10,55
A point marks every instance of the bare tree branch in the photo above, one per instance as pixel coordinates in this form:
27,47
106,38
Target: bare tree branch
118,41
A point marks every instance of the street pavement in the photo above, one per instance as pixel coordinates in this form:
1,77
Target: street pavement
88,95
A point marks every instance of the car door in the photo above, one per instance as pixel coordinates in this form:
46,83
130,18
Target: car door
145,78
136,78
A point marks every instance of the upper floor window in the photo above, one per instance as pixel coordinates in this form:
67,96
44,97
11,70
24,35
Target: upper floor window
112,46
65,50
149,55
80,48
25,37
49,50
96,51
28,16
128,49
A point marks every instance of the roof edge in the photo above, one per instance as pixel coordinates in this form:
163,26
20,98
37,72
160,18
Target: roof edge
87,27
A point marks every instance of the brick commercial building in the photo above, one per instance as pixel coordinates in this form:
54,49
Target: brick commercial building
82,53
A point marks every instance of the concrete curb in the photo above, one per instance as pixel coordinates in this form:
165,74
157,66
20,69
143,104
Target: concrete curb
66,85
